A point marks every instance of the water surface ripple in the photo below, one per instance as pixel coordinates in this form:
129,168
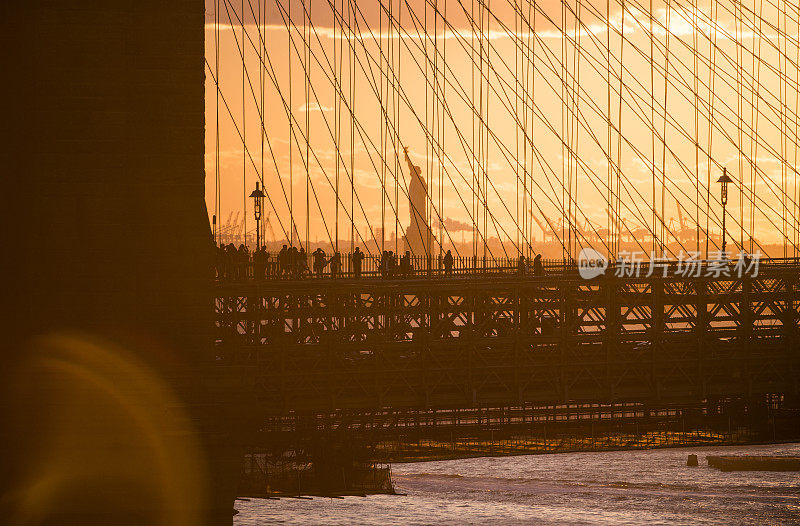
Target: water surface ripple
618,487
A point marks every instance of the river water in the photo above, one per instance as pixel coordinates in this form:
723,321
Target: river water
616,487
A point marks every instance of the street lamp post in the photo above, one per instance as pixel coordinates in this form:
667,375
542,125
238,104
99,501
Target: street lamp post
258,203
724,180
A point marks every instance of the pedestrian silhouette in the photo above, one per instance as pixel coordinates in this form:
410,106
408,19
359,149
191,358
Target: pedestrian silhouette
405,264
383,266
242,262
391,264
538,269
335,263
293,262
221,259
230,261
260,258
448,264
283,262
357,257
319,262
302,263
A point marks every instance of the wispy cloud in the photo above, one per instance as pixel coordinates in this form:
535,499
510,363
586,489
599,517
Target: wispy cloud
313,106
680,24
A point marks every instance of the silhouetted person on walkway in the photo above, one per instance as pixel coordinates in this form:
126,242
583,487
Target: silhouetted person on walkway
336,265
357,257
221,266
242,262
319,262
260,258
283,262
293,262
448,264
383,266
269,264
391,264
255,261
538,269
302,263
230,261
521,265
405,264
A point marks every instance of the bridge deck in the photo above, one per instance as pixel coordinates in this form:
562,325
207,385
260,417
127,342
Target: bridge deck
324,345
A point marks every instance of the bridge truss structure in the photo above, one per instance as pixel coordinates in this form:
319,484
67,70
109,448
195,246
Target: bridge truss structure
580,119
437,358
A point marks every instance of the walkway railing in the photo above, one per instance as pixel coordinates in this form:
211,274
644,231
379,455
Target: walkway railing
241,269
247,267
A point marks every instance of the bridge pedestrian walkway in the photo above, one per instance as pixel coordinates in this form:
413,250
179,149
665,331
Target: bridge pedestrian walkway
502,339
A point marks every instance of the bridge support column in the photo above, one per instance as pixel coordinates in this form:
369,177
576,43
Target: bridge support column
520,335
701,333
657,328
746,321
568,328
612,332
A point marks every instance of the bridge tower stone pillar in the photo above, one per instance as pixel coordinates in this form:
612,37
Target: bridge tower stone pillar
108,377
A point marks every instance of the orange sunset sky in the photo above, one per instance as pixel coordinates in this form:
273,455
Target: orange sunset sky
419,79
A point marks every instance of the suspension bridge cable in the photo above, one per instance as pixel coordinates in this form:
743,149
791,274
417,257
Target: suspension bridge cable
576,97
